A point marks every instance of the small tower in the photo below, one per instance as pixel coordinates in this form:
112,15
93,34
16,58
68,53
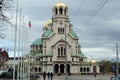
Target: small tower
60,9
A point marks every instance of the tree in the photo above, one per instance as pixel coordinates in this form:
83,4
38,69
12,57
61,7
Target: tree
105,66
5,6
3,56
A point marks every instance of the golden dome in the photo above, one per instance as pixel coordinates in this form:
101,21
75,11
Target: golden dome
93,61
60,4
47,23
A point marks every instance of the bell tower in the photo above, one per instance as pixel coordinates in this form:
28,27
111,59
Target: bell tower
60,9
60,18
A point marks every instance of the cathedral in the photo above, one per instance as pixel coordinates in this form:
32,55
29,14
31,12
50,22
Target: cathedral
58,50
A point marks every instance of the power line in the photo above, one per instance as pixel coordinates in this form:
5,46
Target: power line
93,14
77,11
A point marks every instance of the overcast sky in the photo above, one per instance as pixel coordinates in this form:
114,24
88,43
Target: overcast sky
97,38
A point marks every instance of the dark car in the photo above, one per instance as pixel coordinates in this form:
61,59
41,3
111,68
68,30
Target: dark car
115,78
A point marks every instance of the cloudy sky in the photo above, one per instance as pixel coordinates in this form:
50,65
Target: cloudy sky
96,22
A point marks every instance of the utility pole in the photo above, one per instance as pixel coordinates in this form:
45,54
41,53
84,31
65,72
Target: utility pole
117,58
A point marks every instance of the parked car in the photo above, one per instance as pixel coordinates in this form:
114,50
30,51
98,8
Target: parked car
115,78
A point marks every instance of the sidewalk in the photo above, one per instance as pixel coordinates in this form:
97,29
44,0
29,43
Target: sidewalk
81,77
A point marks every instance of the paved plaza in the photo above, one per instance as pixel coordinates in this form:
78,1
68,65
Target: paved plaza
76,77
81,77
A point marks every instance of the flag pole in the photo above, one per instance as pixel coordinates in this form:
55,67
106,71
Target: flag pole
15,38
22,54
29,45
19,47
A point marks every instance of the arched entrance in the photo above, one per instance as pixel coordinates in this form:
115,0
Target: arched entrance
68,68
94,69
62,68
56,68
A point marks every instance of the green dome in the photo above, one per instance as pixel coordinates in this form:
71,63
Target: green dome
73,34
47,33
80,55
38,55
37,42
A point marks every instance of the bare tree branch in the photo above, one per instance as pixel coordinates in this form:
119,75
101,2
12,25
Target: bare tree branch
5,6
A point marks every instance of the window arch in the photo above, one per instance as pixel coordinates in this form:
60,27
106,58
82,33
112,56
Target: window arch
39,69
88,69
61,50
64,51
35,69
56,12
58,51
84,69
60,11
81,69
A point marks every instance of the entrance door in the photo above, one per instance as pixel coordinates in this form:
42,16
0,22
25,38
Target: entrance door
68,68
56,68
62,68
94,69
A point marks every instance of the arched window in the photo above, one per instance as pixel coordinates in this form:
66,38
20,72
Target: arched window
64,51
88,69
56,11
61,50
58,51
35,69
60,11
81,69
84,69
39,69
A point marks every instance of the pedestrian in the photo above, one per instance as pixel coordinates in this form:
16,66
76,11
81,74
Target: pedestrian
44,75
95,74
51,75
48,74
